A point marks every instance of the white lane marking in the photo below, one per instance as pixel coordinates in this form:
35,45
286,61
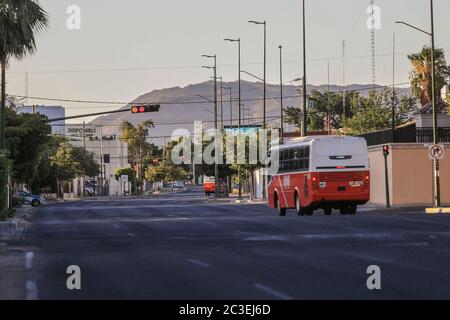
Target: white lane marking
199,263
29,260
32,292
131,234
369,257
272,292
407,244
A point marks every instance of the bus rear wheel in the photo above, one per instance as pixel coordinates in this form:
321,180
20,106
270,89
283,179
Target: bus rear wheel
281,211
298,207
328,211
344,210
352,209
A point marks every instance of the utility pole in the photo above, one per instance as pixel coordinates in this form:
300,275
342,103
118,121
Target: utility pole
216,160
221,103
231,106
437,184
281,95
328,98
102,160
436,175
239,107
304,129
84,176
393,88
343,81
26,88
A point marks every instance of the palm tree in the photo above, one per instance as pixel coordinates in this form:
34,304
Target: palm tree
20,21
420,76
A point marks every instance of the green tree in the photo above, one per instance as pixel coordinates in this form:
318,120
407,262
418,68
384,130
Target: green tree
126,172
70,162
138,146
420,75
20,20
374,112
27,138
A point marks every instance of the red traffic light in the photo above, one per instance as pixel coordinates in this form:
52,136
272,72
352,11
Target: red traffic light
145,108
385,150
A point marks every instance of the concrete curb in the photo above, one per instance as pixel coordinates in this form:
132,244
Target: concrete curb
434,211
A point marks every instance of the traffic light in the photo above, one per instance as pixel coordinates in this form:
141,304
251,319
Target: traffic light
145,108
385,150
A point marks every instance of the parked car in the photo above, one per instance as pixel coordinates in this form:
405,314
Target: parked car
33,199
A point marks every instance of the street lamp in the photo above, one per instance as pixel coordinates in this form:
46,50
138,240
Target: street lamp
216,165
239,108
436,177
263,23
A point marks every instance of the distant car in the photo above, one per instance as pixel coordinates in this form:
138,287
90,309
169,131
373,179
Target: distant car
209,186
33,199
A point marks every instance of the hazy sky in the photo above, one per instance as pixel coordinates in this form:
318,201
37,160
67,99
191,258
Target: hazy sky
127,48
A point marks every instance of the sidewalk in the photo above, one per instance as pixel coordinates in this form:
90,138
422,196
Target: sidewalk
13,228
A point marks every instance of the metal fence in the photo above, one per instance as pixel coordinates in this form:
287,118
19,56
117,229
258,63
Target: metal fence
409,134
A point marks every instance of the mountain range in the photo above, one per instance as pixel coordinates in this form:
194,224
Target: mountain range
181,106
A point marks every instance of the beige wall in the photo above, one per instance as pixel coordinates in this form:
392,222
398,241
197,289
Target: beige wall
410,175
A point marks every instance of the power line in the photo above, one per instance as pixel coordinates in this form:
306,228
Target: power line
129,69
184,102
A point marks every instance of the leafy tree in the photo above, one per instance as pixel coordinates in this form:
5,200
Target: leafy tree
166,173
138,146
375,112
420,75
126,172
70,162
20,20
27,138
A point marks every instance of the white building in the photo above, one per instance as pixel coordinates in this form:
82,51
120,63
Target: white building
109,151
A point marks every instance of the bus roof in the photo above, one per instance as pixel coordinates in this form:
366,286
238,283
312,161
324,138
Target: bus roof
304,141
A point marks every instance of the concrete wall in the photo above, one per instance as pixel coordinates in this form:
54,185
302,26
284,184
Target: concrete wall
410,175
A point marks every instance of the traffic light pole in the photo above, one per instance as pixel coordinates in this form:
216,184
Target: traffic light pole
386,176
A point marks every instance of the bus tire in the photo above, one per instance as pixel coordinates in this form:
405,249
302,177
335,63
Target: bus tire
298,207
328,211
308,211
344,210
352,209
281,211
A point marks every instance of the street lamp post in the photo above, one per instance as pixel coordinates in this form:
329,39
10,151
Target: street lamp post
436,176
239,107
221,102
216,165
303,108
263,23
231,106
281,94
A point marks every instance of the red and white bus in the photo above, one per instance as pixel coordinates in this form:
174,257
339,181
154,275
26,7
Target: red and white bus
327,172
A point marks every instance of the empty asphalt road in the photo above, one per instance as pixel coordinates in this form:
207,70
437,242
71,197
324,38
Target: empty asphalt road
180,246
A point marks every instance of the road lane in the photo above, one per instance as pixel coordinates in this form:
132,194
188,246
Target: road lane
183,247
